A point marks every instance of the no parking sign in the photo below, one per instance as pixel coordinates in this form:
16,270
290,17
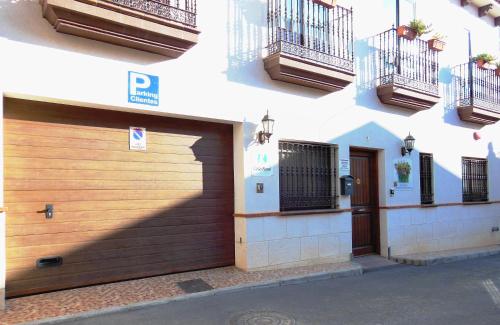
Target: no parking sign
137,138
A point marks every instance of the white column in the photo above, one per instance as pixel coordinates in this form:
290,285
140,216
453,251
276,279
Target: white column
239,168
251,249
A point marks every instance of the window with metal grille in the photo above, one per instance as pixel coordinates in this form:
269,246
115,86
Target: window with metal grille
474,179
308,177
426,186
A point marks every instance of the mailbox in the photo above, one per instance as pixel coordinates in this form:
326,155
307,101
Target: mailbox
346,185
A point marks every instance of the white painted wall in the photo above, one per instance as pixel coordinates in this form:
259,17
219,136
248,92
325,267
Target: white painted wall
437,229
222,78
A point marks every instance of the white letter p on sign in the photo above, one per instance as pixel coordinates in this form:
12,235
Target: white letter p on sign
138,80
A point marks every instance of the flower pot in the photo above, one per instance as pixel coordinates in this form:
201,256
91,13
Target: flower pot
406,32
497,72
436,45
481,64
403,177
326,3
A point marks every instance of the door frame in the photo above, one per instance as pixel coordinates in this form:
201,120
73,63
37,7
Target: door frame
374,192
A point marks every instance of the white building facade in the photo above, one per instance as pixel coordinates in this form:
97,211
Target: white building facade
344,92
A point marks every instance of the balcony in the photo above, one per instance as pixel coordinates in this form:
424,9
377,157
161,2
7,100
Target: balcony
165,27
478,92
310,44
407,72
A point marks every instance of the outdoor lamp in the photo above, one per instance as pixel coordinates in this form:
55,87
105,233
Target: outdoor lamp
267,126
409,144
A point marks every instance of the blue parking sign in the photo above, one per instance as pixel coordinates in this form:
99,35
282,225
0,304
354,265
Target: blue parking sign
143,89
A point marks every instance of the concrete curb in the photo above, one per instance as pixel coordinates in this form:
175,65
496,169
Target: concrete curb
355,270
445,259
381,267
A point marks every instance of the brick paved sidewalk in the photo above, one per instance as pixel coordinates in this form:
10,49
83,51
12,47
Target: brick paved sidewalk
97,297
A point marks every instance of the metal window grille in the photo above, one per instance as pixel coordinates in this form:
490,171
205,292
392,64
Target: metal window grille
426,187
474,179
311,31
408,63
308,177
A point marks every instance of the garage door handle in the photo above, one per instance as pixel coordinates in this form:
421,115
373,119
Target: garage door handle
49,211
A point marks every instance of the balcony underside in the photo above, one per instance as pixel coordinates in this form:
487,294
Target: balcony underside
477,113
104,21
292,69
397,95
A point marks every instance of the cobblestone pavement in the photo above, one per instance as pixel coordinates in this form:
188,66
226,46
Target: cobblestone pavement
80,300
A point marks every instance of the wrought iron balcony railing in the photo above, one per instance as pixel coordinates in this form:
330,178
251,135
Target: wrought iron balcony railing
313,32
411,64
181,11
477,87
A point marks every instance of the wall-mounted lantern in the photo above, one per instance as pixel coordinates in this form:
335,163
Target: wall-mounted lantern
267,126
409,142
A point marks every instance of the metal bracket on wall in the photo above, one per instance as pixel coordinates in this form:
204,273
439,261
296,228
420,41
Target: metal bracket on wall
483,11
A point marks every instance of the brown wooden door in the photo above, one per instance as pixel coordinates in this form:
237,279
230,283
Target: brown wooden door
364,202
118,214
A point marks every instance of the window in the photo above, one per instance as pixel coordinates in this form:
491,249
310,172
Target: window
426,186
474,179
308,177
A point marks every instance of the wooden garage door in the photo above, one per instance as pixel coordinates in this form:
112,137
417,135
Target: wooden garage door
118,214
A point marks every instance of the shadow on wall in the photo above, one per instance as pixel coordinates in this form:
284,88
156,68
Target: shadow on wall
448,78
435,228
367,63
247,38
128,220
494,167
22,21
436,231
449,95
374,136
118,213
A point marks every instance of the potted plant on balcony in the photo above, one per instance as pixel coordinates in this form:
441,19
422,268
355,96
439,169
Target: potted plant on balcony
483,59
497,70
416,28
436,42
326,3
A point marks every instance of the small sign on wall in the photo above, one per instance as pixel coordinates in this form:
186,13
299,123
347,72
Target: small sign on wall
344,165
143,89
137,138
261,165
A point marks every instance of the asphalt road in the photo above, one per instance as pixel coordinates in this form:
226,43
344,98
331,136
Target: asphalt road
457,293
